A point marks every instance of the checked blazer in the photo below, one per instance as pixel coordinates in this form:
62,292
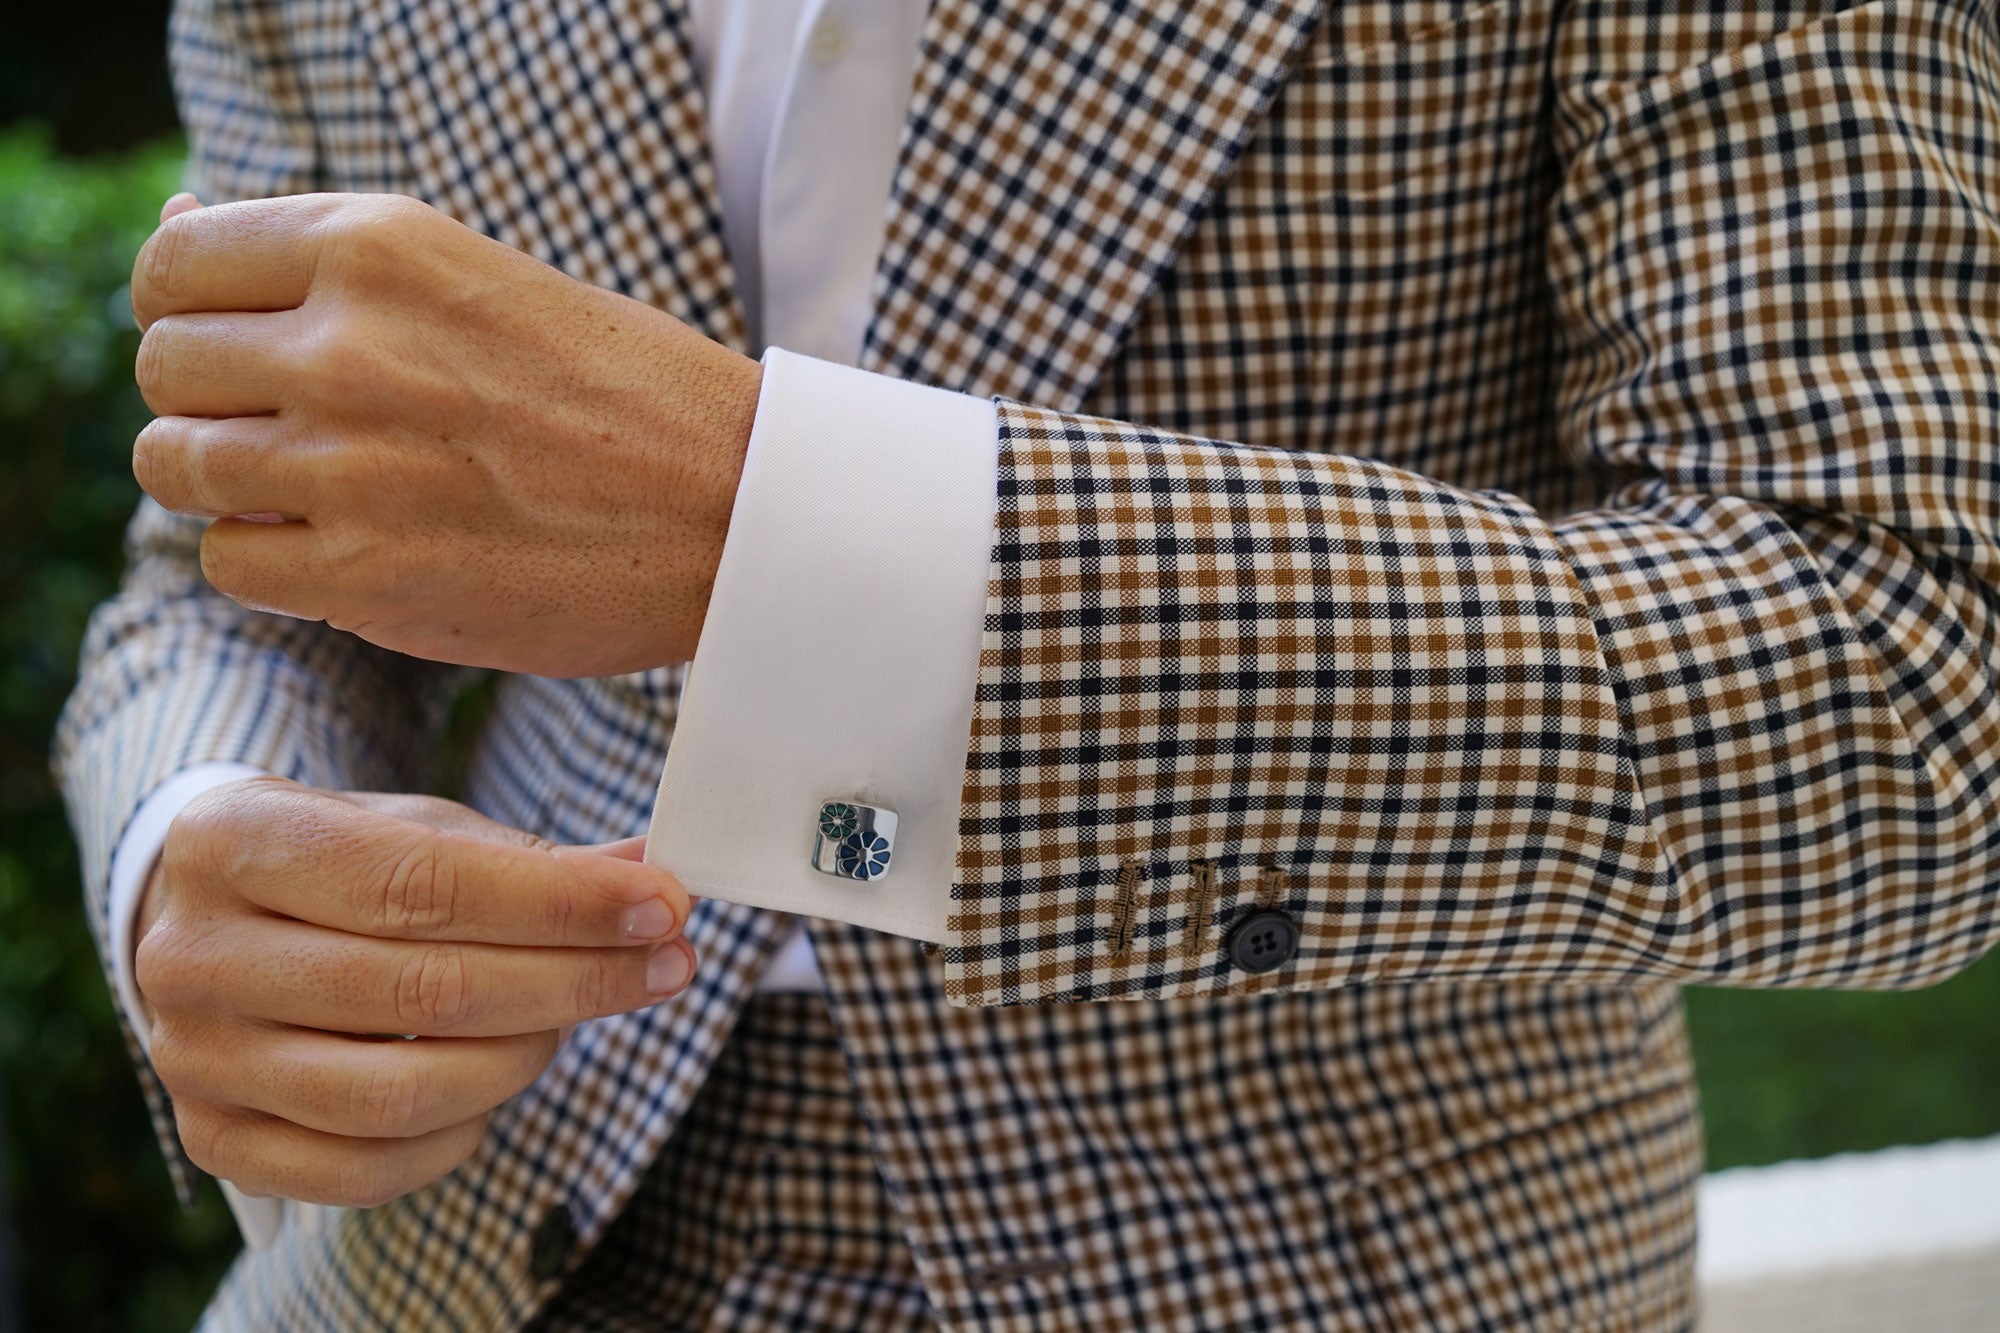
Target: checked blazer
1513,484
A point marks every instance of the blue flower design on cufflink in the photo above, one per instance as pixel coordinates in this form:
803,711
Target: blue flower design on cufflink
854,841
863,856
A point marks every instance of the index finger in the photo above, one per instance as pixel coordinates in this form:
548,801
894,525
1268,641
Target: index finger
337,865
254,255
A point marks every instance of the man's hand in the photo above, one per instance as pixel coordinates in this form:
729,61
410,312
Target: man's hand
421,435
288,931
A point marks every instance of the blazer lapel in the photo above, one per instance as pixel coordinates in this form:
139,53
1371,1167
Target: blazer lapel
1054,157
574,131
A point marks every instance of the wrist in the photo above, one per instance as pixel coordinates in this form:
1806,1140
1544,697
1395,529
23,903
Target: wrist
727,407
716,392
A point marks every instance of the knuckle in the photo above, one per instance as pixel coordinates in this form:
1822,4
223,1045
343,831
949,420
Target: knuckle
223,572
350,234
343,358
172,1057
398,212
151,451
205,826
230,832
235,567
365,1178
562,906
394,214
434,991
150,366
351,475
600,986
356,368
419,895
169,966
155,968
362,1179
211,1138
366,238
387,1101
218,462
161,263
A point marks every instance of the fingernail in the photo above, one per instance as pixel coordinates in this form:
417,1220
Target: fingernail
650,920
668,969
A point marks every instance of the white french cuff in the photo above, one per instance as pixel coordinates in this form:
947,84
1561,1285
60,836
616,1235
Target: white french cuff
257,1217
840,654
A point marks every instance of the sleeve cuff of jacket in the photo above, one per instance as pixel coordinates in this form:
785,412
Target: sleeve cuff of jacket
259,1219
840,654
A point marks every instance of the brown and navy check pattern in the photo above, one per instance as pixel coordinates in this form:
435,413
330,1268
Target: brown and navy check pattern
1510,484
765,1211
1734,722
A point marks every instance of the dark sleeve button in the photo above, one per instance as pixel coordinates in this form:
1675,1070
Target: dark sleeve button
550,1248
1263,940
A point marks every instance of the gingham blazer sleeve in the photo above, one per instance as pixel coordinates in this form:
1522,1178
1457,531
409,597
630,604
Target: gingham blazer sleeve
174,674
1738,724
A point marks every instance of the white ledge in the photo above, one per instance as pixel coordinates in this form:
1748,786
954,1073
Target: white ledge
1905,1238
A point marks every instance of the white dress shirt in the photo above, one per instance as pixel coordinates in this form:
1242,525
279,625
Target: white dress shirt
840,652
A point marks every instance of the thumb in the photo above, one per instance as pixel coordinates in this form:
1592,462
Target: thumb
625,849
452,817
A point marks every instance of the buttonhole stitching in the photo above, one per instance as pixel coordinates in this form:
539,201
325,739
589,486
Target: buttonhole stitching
1274,885
1203,879
1124,908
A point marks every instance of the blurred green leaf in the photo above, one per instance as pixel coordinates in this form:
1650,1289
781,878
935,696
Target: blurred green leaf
1788,1074
104,1245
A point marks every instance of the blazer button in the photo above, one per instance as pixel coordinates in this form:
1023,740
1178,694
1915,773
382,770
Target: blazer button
1263,940
550,1248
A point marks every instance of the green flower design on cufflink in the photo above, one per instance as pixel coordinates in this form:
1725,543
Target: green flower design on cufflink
854,841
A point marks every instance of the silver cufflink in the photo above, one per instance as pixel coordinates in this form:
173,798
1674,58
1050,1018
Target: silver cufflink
854,841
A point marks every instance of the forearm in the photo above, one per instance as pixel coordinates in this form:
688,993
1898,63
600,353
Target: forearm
1737,725
1673,741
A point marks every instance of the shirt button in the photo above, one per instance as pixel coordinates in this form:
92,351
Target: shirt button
1263,940
550,1248
829,40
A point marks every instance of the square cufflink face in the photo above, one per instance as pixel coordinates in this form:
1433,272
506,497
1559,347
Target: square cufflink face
854,841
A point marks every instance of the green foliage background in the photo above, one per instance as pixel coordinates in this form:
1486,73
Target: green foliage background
104,1246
